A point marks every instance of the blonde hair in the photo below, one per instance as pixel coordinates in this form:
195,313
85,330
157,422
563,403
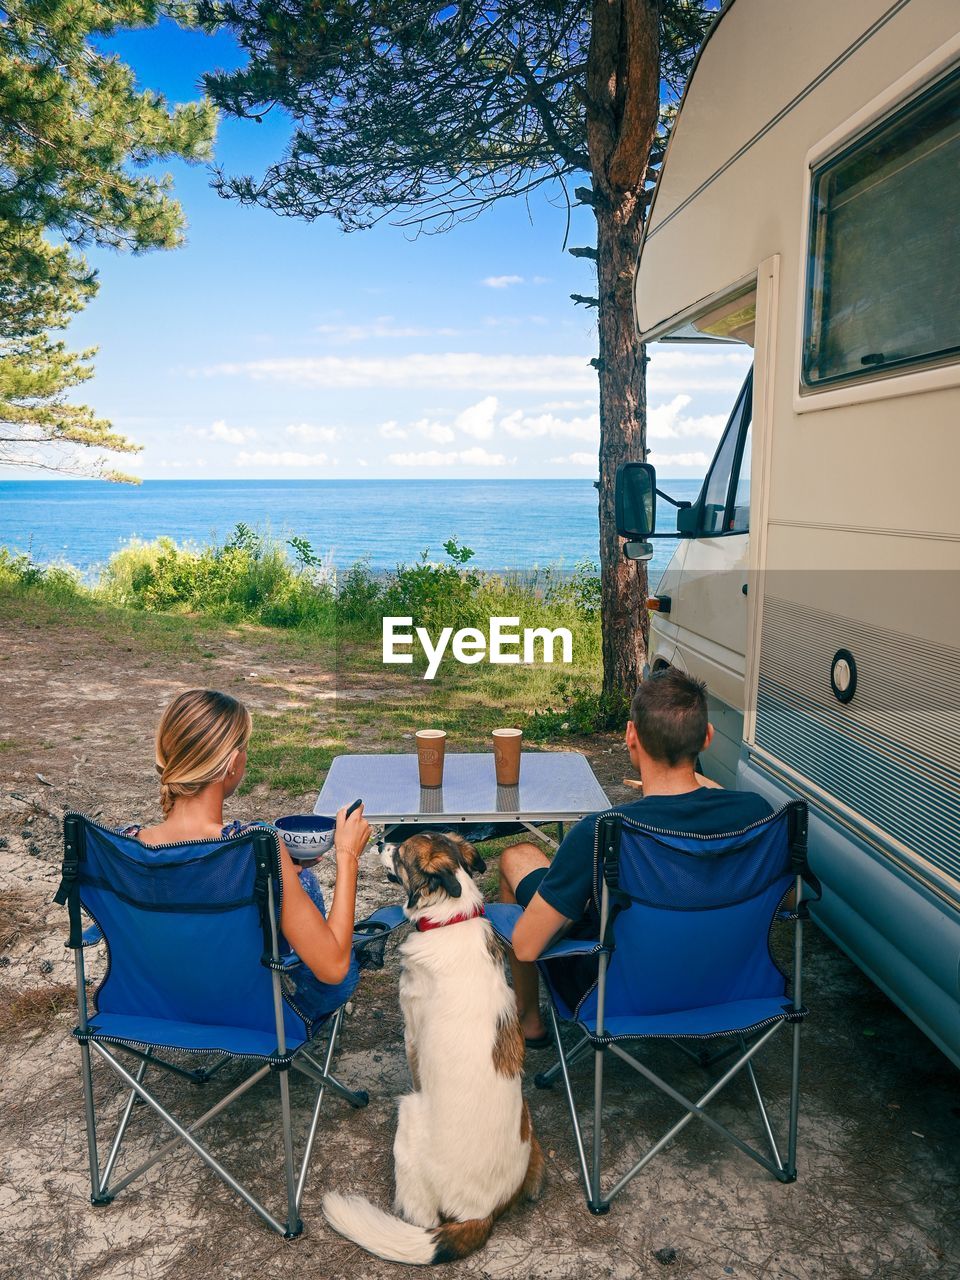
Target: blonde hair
198,733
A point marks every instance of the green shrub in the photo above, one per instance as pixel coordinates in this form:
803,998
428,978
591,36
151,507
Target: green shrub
360,595
253,577
582,709
249,578
55,582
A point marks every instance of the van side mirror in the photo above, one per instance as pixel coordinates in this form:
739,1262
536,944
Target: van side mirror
635,500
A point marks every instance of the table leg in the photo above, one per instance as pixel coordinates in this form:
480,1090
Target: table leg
540,834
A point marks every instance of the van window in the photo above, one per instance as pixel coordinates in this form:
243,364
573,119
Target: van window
740,522
725,500
885,246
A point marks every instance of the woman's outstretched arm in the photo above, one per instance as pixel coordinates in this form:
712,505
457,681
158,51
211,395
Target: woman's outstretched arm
324,946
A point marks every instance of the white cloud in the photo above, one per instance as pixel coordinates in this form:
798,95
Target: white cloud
477,420
281,458
438,432
221,431
578,460
478,457
475,457
541,279
675,369
380,327
313,435
392,431
668,422
527,426
502,282
663,461
448,370
554,406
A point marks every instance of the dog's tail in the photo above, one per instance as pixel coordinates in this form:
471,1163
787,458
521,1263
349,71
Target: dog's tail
398,1241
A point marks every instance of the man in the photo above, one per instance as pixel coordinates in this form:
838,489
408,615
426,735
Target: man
667,730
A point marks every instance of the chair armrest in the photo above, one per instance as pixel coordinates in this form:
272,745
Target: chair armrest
384,920
504,916
370,935
572,947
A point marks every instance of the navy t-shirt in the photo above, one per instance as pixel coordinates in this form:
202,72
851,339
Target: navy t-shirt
708,811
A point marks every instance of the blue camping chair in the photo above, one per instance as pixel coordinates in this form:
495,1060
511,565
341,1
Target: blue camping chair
195,968
684,955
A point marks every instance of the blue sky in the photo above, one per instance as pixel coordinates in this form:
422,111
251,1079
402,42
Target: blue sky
272,347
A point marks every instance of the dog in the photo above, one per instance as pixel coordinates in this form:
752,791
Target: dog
465,1151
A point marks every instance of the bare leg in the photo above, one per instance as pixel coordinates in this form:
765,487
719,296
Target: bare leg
515,863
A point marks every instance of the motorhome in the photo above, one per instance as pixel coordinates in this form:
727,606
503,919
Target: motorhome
809,206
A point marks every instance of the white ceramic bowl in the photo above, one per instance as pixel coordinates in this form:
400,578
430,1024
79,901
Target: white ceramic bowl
306,836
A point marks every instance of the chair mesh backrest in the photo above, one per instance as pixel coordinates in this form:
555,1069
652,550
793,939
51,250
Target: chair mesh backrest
697,930
183,931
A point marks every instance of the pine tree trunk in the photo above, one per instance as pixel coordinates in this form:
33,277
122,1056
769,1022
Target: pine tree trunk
623,103
623,405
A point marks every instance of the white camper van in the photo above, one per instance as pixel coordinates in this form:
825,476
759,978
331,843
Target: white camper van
809,206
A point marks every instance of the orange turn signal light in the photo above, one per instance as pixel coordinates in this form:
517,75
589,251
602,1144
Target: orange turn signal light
653,603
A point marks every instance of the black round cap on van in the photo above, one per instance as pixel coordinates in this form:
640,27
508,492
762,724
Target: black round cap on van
843,675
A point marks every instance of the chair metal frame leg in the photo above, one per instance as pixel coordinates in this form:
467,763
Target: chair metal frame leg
189,1139
193,1128
102,1192
713,1047
578,1136
87,1076
792,1123
183,1133
315,1118
122,1128
597,1202
696,1110
545,1079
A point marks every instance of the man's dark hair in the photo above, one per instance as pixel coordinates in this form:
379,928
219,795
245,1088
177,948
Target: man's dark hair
669,713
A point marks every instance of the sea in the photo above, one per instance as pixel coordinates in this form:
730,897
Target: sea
509,524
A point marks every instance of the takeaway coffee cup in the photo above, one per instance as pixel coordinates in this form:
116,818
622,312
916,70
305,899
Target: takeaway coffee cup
430,747
506,756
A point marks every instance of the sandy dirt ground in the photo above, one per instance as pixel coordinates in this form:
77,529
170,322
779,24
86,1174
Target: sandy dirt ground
879,1186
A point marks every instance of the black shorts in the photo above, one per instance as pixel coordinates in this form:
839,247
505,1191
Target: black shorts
571,978
529,885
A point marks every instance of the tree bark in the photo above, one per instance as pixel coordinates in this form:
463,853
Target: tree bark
623,583
623,97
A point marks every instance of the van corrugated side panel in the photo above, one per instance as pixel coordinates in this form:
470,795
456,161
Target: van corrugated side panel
892,753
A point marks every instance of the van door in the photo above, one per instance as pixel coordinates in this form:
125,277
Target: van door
708,603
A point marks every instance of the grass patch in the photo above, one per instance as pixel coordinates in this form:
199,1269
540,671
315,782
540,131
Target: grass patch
35,1010
290,752
160,599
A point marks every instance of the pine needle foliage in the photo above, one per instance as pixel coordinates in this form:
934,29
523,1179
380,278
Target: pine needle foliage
78,142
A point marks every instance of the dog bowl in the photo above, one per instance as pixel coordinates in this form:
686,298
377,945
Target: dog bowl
306,836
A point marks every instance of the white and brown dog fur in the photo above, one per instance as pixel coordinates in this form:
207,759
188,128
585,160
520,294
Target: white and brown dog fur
465,1151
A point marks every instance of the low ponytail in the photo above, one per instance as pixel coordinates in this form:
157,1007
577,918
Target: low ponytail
198,733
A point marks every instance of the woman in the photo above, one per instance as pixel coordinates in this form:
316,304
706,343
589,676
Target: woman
201,755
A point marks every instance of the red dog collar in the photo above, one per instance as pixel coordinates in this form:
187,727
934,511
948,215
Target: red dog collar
423,924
